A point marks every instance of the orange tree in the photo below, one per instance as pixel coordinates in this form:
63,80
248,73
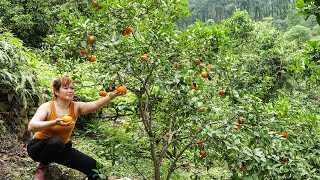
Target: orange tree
190,110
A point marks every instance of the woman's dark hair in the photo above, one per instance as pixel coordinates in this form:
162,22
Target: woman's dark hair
63,81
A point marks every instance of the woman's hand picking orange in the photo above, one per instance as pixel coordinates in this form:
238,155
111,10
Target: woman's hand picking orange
122,89
61,122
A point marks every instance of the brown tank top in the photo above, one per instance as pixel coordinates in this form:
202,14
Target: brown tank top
62,132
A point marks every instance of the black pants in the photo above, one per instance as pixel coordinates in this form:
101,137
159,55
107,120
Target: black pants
54,150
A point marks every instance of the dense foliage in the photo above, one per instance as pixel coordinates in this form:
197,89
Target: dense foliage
18,84
32,20
309,7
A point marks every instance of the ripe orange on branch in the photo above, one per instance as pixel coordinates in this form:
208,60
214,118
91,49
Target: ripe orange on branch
83,51
205,74
242,168
103,93
127,31
284,135
167,134
122,89
203,153
67,118
95,4
202,109
221,92
145,57
91,39
210,66
194,86
92,58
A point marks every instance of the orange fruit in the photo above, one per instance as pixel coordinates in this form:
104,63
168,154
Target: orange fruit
203,153
202,109
210,67
284,135
67,118
122,89
238,126
145,58
221,92
197,61
92,58
103,93
91,39
110,89
205,74
197,72
194,86
95,4
127,31
83,51
167,134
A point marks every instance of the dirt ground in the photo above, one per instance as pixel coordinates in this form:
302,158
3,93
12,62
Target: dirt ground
15,164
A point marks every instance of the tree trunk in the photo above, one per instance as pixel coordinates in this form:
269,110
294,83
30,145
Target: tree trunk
156,164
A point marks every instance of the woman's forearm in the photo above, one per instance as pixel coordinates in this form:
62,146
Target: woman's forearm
35,126
102,102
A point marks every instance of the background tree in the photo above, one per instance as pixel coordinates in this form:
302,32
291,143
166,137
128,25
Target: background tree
299,34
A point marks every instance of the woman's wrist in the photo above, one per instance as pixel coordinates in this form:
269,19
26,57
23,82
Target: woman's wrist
56,122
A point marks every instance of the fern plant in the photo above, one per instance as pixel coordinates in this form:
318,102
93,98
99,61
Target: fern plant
19,84
17,80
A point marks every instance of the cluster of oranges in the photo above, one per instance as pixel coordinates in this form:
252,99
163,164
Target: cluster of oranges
122,89
129,30
92,39
83,51
92,58
205,75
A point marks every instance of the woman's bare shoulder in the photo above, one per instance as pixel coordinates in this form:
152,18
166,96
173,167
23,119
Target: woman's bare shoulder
45,106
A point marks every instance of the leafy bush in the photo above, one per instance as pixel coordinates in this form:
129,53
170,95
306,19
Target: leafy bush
19,88
240,25
299,34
